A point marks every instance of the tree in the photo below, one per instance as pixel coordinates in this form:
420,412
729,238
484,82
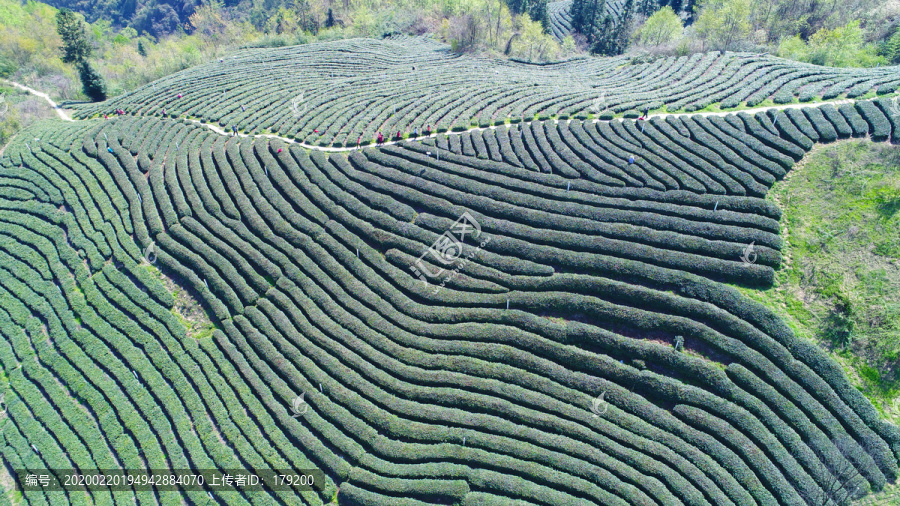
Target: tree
844,46
843,482
77,50
723,23
612,38
329,19
91,82
663,27
75,45
576,14
536,10
533,44
156,19
586,17
890,49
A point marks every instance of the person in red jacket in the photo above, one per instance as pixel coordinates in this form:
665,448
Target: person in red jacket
380,138
398,135
428,132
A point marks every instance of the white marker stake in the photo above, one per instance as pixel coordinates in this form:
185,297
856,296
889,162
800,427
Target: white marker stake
205,283
464,440
140,199
568,185
135,374
320,388
717,205
775,121
642,127
507,303
357,252
35,449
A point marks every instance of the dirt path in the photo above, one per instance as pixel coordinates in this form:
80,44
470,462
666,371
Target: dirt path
62,114
215,128
754,110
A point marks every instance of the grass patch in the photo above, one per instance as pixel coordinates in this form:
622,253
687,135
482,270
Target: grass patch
187,309
839,284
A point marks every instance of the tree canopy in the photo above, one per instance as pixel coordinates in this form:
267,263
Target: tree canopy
75,44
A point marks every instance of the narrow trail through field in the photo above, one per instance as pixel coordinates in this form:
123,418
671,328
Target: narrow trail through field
219,130
63,115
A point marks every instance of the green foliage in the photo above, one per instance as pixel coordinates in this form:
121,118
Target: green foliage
890,48
76,47
612,38
723,24
7,66
609,240
844,240
92,82
844,46
536,10
9,123
588,16
886,195
662,27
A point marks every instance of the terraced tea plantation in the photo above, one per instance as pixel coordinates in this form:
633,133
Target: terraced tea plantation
535,313
561,20
343,93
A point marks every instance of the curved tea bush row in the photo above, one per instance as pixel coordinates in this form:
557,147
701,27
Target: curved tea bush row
122,385
345,92
479,384
561,21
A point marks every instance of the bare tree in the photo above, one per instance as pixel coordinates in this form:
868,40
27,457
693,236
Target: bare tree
843,482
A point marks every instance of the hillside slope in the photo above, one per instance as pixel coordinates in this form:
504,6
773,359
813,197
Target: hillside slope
475,318
336,93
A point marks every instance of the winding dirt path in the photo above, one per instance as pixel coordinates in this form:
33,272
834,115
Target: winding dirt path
215,128
62,113
754,110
